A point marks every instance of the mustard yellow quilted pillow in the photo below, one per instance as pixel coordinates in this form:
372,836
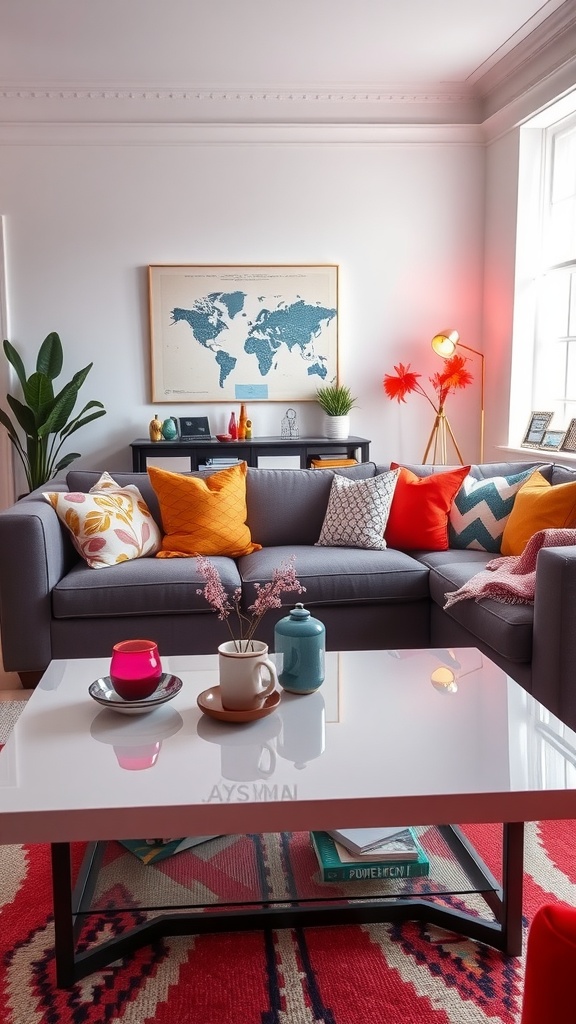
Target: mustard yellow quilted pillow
108,525
203,515
538,506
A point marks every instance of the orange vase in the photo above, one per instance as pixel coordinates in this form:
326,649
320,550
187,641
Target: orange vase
242,423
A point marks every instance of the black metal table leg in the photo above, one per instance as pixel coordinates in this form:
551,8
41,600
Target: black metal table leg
512,884
64,932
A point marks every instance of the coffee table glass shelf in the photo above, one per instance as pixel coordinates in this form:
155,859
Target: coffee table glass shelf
378,743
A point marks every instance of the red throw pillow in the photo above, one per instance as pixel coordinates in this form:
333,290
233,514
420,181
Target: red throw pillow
420,508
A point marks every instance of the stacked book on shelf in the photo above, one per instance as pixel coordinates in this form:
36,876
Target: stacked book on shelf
361,854
329,461
220,463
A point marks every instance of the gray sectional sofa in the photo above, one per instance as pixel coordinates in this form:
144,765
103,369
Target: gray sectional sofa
53,606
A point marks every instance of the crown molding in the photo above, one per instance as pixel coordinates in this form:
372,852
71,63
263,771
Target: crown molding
217,134
504,62
138,102
549,48
541,96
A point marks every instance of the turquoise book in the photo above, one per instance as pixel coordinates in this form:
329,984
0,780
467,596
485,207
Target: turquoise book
150,851
333,868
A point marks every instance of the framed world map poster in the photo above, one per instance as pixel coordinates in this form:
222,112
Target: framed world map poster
243,333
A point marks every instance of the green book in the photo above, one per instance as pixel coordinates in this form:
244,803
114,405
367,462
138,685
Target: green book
333,869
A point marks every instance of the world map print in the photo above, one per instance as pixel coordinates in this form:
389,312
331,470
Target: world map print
296,325
262,339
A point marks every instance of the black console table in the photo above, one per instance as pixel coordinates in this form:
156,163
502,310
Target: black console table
306,448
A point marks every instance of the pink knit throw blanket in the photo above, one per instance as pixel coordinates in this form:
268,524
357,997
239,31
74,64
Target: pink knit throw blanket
512,579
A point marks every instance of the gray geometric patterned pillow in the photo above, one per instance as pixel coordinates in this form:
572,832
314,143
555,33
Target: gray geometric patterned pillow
358,511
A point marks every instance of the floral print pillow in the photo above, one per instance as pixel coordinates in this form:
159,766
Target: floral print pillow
109,524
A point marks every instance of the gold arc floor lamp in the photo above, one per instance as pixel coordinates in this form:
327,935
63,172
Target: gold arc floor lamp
444,344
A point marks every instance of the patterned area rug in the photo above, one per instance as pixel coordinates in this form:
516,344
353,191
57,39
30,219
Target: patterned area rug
374,974
9,712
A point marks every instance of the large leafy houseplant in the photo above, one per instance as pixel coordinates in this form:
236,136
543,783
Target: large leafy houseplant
43,416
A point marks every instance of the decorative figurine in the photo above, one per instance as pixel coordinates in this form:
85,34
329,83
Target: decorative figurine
289,427
155,429
248,430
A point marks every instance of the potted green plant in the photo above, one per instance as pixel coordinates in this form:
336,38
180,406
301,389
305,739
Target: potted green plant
44,417
336,400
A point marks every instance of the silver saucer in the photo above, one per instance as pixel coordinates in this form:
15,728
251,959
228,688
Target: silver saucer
102,691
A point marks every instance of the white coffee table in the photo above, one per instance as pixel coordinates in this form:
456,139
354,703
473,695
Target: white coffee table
383,741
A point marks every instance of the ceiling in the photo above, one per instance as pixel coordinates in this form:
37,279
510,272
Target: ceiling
260,43
266,45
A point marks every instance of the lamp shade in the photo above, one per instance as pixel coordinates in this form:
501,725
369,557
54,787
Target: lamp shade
444,343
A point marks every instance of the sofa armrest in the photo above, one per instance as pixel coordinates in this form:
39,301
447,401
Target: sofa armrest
35,553
554,637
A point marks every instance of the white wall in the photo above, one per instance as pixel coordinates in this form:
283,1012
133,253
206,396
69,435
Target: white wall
500,255
404,220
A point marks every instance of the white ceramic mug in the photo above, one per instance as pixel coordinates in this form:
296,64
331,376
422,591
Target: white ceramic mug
242,685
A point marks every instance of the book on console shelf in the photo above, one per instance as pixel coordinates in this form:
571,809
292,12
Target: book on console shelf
359,840
219,463
338,865
152,850
324,462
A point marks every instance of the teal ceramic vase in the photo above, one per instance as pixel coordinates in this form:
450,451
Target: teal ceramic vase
301,640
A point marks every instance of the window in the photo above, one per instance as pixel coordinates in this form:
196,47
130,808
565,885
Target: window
544,361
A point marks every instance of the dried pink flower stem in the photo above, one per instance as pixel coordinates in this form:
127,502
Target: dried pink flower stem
268,596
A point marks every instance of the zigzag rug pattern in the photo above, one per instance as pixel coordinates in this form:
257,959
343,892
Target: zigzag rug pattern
376,974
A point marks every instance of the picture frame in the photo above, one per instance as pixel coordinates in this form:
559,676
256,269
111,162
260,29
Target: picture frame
553,439
569,442
249,332
195,427
537,427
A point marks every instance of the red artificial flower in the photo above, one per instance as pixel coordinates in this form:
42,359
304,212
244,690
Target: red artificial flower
403,384
454,376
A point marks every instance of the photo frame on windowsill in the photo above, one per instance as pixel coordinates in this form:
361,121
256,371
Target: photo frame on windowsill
537,427
569,442
553,440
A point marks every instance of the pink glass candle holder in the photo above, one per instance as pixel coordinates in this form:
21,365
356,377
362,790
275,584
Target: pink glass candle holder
135,669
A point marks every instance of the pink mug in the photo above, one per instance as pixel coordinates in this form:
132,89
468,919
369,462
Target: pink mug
135,669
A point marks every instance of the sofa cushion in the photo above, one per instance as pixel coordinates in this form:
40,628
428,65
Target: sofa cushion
340,575
203,516
287,506
481,509
149,586
538,506
108,525
420,508
507,628
469,556
357,512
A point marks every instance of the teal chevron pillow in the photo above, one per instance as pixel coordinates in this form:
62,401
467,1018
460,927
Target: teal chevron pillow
480,511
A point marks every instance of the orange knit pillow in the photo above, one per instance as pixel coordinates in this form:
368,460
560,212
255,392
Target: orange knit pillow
203,515
420,508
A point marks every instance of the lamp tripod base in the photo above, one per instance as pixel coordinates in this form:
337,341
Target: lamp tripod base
438,441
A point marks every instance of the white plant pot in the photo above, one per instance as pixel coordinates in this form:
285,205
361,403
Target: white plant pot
337,427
